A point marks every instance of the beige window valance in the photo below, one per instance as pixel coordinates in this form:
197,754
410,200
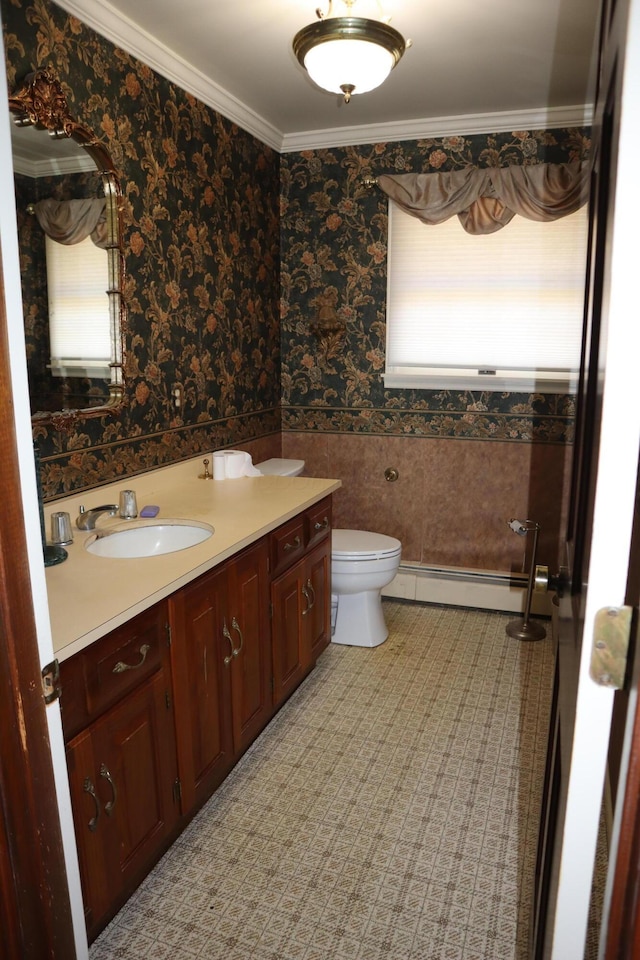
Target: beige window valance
485,200
72,221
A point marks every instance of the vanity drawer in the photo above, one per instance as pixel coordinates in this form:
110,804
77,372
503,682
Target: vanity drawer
287,544
318,519
96,678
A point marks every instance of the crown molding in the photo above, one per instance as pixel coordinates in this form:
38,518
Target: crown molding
52,166
123,32
464,125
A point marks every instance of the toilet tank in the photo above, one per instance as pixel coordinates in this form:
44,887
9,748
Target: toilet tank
279,467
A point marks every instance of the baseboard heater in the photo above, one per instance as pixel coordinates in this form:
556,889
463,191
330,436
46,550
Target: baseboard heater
462,587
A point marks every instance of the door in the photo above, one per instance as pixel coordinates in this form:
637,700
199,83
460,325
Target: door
122,772
201,657
318,613
247,623
287,632
602,499
35,908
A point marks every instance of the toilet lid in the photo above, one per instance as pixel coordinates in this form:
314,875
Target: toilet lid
362,545
280,467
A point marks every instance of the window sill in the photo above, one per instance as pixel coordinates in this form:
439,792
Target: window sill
503,381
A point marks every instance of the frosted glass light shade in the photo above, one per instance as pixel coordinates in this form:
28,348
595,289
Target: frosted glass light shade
356,63
348,53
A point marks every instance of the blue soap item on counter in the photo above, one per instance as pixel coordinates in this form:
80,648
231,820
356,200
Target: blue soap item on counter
150,511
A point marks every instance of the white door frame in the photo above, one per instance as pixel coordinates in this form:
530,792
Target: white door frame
614,507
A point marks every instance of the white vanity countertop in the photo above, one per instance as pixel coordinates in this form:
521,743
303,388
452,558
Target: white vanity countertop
90,595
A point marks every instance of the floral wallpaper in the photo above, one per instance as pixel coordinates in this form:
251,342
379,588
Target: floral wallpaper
201,237
333,272
255,282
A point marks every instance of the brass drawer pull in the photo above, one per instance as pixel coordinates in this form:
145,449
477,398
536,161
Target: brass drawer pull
235,626
305,594
108,807
120,667
324,525
227,636
89,788
313,594
297,542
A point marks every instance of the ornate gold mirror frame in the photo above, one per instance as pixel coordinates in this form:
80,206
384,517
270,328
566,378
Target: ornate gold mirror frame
40,102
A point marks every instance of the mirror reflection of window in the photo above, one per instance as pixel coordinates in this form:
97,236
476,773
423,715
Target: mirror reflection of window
79,330
53,171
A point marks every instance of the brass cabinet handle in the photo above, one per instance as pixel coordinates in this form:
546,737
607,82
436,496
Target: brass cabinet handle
313,594
227,636
235,626
305,594
321,526
108,807
120,667
293,546
89,788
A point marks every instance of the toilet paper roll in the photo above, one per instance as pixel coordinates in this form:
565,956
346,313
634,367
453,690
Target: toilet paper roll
219,466
236,464
232,464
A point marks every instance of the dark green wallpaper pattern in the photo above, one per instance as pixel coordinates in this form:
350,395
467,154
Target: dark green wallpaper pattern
252,278
334,230
201,251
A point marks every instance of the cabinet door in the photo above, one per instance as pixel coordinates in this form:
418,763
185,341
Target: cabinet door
94,836
317,615
135,744
122,771
288,646
201,666
247,623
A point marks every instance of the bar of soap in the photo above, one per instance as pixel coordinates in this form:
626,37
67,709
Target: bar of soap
150,511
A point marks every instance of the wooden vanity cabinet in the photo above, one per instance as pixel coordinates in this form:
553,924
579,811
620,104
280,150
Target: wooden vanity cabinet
300,596
156,713
222,670
118,722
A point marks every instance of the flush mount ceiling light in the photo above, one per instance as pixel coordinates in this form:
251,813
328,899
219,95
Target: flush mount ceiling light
348,55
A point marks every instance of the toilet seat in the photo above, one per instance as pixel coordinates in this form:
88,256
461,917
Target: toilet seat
363,545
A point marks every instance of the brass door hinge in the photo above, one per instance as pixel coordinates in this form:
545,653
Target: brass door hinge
611,632
177,790
51,687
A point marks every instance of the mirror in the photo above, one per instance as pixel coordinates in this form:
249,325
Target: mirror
68,201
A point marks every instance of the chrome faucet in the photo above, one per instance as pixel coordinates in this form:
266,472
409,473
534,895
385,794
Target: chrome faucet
86,519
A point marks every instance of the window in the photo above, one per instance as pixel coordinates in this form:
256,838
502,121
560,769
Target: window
79,328
501,311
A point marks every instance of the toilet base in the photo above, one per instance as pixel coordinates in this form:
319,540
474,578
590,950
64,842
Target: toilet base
359,620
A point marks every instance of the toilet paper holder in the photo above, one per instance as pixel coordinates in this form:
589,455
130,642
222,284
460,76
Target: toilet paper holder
526,629
206,475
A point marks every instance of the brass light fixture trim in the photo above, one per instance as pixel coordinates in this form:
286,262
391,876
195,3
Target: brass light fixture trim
328,29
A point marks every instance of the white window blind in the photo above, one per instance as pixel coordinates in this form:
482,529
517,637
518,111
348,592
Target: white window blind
501,311
79,327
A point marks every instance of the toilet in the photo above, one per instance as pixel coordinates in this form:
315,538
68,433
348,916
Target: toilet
280,467
362,563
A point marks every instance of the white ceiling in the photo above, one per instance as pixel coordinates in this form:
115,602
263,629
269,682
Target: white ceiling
520,58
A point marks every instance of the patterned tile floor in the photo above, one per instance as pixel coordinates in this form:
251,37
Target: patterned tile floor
388,811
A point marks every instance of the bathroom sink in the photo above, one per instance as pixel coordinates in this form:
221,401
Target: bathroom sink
140,539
